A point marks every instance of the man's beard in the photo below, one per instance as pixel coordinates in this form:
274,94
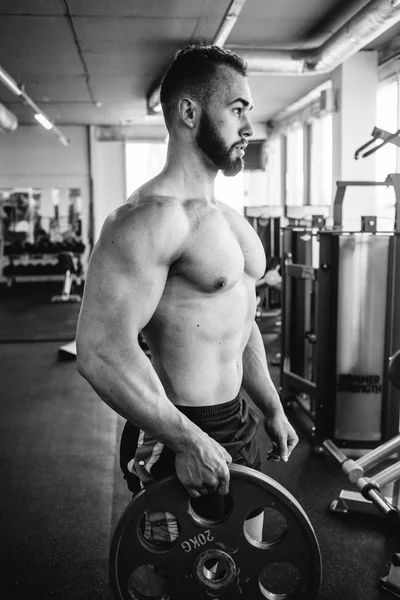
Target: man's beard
211,143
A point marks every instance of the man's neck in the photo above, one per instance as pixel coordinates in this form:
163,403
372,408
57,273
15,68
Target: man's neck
189,173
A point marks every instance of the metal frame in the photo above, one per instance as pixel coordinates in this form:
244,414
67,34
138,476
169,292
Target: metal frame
272,236
307,215
311,317
319,410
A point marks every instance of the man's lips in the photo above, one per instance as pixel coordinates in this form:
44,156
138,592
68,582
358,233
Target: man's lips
241,148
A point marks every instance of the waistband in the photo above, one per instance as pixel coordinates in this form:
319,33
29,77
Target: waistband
213,412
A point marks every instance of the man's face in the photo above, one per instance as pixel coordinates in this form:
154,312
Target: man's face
224,125
211,141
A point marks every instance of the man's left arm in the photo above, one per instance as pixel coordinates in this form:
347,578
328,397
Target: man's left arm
258,384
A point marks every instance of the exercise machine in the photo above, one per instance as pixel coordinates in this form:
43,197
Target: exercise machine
73,276
369,497
308,216
340,293
377,492
384,136
72,269
267,222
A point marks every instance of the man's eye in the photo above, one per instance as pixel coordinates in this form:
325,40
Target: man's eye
238,111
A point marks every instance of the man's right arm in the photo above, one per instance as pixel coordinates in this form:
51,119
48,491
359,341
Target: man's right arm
125,282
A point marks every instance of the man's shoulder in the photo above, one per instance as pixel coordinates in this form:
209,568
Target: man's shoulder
149,202
147,221
147,211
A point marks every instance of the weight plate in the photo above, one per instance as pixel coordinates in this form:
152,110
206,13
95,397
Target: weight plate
218,558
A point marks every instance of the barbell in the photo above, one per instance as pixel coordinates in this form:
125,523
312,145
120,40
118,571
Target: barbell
217,558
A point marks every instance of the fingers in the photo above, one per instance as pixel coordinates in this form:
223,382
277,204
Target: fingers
292,443
284,452
284,439
224,478
274,455
219,484
195,493
223,487
207,473
227,456
282,448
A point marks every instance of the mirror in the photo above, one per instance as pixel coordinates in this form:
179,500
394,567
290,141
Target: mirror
37,221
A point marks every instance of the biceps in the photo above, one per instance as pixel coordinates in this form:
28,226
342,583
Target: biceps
255,333
116,306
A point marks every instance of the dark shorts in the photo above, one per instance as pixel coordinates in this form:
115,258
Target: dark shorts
232,424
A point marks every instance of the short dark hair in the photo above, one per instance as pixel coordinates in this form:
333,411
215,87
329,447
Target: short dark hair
191,71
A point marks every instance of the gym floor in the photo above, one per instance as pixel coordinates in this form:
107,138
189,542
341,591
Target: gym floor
62,492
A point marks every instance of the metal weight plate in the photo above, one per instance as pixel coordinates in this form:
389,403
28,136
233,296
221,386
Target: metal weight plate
208,558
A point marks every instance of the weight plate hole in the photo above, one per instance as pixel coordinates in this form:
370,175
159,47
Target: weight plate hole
211,509
264,528
215,569
158,530
147,582
279,581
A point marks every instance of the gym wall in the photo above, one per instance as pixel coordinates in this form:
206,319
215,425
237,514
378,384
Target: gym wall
30,157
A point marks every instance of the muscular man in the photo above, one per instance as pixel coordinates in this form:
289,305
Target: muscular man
180,266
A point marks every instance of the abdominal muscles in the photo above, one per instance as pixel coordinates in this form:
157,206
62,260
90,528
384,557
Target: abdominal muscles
197,340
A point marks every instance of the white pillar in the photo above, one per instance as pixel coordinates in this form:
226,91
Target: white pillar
108,179
355,83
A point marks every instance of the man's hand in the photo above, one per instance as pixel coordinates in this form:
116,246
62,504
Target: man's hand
203,468
282,436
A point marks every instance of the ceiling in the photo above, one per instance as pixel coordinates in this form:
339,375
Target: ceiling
95,61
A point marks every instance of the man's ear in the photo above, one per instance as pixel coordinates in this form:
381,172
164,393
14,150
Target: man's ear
188,111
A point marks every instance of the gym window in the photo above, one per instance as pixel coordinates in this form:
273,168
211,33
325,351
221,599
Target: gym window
143,161
295,166
387,158
274,172
231,190
321,161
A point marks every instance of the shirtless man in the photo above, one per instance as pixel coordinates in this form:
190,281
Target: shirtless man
180,266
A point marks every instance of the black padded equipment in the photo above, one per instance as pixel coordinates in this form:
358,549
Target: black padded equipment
394,369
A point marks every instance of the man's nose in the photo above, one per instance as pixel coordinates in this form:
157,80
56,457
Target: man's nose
247,129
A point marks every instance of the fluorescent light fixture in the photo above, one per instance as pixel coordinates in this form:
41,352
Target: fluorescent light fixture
39,115
10,83
62,138
43,121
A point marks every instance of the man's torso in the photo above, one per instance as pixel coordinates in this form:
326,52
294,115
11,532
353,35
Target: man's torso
202,323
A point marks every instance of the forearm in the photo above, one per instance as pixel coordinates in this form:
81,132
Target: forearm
132,388
256,377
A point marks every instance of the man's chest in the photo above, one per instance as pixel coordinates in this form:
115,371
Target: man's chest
221,250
